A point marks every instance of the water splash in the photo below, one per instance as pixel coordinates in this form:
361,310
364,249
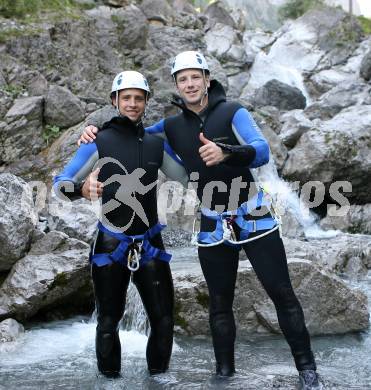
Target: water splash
135,317
288,201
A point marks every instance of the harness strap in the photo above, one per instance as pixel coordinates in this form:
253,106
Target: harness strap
148,251
223,231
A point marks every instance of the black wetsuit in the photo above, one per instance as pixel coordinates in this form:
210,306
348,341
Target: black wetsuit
230,123
127,143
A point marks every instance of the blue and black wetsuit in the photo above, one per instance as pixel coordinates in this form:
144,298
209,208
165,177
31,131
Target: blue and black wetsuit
231,124
129,160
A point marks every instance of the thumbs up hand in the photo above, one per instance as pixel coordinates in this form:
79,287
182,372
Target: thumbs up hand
92,188
210,152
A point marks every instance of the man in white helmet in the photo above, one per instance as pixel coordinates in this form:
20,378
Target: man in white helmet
218,141
124,162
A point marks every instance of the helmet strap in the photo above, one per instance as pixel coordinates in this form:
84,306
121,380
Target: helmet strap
205,85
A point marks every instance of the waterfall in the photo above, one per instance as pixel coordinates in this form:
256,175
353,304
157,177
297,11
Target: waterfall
287,201
135,317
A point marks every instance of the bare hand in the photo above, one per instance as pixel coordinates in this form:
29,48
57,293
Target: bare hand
88,135
92,188
210,152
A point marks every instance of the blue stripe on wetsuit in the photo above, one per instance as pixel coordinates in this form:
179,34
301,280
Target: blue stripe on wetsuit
79,167
248,132
158,127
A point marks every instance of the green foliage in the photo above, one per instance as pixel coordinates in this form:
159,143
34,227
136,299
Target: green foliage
13,90
365,24
293,9
51,132
20,9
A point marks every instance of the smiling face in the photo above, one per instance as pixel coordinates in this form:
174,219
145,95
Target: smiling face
131,103
191,86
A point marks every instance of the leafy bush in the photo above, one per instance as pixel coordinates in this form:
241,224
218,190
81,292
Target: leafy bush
293,9
50,133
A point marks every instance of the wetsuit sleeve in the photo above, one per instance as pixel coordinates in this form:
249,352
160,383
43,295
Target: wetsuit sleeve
157,129
253,150
172,166
69,182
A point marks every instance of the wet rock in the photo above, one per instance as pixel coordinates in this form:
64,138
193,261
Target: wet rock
356,220
330,306
17,219
365,70
21,134
280,95
295,124
335,151
301,46
56,267
63,108
10,330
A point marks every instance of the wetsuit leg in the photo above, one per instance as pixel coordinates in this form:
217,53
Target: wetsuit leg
219,265
110,285
155,286
268,258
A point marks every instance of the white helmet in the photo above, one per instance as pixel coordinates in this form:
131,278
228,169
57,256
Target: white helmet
189,60
130,79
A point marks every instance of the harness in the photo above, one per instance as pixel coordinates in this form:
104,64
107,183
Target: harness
137,245
224,233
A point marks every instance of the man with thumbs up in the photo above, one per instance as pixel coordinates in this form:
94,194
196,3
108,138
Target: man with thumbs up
219,142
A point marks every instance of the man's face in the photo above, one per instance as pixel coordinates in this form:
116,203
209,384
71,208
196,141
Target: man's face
191,85
131,102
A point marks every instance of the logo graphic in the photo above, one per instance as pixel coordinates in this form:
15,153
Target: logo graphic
129,186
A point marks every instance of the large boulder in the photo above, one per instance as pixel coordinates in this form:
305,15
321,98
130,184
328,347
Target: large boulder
56,267
295,124
330,306
280,95
21,133
10,330
337,150
62,108
223,42
344,254
78,220
159,10
17,219
217,13
356,220
345,95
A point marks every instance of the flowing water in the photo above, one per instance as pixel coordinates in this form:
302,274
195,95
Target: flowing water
61,355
